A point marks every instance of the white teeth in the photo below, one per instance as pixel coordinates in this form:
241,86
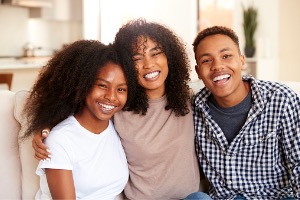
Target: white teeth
152,74
107,107
218,78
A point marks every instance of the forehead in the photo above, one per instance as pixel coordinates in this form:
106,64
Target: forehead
143,42
110,67
215,43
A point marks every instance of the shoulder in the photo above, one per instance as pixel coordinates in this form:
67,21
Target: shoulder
267,89
276,88
63,129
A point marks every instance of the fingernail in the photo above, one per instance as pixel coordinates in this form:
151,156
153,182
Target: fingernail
48,159
48,150
49,156
44,134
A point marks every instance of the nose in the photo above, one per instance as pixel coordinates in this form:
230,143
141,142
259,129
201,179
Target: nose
217,65
148,62
110,95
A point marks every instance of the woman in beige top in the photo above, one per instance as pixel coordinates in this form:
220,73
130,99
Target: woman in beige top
156,130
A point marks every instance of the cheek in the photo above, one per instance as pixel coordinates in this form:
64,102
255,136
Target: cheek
165,63
167,70
138,69
243,66
201,72
164,67
122,98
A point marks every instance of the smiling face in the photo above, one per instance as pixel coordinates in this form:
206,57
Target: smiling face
107,97
219,65
152,66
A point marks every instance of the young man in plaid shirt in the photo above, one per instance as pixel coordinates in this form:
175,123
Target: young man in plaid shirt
247,130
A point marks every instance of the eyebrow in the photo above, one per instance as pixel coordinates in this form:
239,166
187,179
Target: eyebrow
225,49
155,48
151,50
100,79
221,51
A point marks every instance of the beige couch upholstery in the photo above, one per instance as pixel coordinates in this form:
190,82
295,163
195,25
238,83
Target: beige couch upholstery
17,163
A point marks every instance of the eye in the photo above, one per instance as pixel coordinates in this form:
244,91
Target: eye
157,53
122,89
227,56
136,58
101,85
204,61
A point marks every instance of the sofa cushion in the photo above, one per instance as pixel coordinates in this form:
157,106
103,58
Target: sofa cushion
30,181
10,167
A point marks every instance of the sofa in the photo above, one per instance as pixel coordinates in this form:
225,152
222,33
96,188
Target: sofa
17,163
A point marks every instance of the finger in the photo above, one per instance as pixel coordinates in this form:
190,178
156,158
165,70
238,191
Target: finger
45,132
41,150
38,142
38,154
39,157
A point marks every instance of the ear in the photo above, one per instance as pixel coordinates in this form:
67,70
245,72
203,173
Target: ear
243,61
197,69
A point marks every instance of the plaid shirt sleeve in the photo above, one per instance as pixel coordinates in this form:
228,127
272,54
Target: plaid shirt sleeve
291,141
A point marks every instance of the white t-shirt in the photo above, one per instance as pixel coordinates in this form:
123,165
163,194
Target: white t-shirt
97,161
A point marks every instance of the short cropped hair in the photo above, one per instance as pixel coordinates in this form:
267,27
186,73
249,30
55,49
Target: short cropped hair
214,30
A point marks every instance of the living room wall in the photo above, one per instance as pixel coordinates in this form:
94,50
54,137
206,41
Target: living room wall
289,40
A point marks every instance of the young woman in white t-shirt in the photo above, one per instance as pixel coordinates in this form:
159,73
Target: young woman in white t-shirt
76,95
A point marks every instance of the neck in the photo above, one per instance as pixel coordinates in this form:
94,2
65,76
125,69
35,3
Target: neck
155,94
91,124
230,101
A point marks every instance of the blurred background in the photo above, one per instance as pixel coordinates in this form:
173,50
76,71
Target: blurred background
32,30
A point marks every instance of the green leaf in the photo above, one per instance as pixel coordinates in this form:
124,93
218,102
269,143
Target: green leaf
249,25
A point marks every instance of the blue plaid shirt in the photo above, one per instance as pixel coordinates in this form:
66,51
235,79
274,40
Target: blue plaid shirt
263,161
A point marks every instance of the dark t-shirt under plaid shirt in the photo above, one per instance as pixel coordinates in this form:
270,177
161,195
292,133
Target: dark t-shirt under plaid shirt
263,161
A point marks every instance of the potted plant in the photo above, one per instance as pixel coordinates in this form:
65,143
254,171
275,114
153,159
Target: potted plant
249,25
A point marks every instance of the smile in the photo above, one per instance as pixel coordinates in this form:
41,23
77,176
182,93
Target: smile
151,75
106,107
219,78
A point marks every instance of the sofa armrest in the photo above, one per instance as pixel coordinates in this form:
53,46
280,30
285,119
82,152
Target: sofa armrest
29,180
10,166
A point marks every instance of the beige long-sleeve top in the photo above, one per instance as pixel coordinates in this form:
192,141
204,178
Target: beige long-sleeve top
160,152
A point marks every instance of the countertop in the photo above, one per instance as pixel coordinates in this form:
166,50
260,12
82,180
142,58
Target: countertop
11,63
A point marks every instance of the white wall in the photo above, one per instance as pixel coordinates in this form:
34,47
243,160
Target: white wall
13,34
289,40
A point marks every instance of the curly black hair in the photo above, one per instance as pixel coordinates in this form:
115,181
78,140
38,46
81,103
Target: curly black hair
214,30
65,82
177,89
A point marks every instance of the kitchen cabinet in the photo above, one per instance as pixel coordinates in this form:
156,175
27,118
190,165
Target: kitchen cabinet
23,78
25,71
61,10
